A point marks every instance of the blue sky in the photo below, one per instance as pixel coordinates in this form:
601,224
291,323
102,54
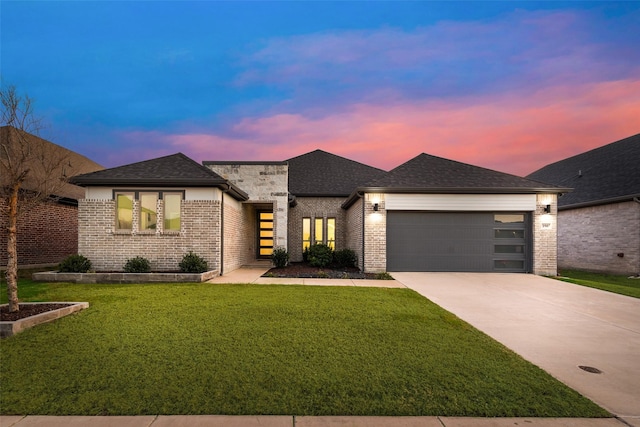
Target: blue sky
507,85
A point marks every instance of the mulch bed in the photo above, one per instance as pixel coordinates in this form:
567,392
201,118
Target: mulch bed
27,310
305,271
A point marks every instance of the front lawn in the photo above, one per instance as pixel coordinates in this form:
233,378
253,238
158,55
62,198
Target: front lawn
251,349
622,285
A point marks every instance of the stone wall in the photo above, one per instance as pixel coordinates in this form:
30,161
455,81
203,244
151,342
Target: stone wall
267,186
108,248
591,238
354,238
47,234
545,237
315,207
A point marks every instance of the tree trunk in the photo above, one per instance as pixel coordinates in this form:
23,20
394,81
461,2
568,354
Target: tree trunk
12,250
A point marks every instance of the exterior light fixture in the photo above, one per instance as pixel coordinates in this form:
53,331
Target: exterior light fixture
547,209
375,207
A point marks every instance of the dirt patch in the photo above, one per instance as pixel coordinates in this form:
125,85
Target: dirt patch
305,271
27,310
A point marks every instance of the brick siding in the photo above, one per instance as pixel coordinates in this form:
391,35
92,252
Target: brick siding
47,234
315,207
545,237
108,249
354,238
239,226
375,234
591,238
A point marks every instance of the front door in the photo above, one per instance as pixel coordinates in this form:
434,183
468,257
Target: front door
265,234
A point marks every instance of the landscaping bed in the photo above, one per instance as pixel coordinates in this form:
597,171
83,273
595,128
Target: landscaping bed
305,271
120,277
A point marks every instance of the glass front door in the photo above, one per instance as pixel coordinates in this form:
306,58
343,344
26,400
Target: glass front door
265,234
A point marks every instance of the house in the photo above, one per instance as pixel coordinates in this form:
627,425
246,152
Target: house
429,214
48,232
599,221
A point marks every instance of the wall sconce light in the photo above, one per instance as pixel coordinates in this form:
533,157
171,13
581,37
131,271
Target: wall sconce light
547,209
375,207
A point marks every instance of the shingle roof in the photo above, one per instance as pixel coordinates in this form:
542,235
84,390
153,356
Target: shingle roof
426,173
67,162
607,173
319,173
176,170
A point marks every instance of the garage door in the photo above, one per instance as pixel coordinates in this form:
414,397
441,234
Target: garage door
458,241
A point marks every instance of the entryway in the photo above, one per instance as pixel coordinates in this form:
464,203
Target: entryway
265,234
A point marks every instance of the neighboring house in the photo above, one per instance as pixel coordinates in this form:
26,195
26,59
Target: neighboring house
599,221
429,214
47,232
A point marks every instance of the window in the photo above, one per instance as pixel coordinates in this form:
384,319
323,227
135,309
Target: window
265,225
306,233
172,211
319,231
324,231
331,233
148,211
124,211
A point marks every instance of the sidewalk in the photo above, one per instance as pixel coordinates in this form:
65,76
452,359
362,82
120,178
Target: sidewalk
301,421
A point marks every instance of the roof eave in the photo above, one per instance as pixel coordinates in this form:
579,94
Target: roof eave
599,202
147,182
449,190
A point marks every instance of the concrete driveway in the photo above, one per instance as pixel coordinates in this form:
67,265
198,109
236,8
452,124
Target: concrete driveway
555,325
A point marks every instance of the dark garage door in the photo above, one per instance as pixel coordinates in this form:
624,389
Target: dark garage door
458,241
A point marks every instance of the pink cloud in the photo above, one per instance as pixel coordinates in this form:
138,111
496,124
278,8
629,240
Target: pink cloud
516,133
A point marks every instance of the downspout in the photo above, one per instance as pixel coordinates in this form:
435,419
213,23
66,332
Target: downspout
360,195
224,191
637,200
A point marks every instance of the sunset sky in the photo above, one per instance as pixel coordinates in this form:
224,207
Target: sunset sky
510,86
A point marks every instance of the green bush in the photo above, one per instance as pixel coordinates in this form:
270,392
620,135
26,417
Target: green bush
280,257
383,276
137,265
345,258
320,255
75,264
192,263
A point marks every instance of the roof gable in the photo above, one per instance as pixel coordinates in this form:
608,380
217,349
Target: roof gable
427,173
319,173
610,172
176,170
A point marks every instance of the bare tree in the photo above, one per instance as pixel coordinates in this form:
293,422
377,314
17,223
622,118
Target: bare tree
31,172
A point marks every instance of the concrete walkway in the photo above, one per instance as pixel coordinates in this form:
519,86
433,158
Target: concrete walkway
291,421
556,325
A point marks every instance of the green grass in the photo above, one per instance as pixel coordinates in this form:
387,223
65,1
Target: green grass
607,282
250,349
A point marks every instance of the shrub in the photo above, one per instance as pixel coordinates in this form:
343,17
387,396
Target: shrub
383,276
345,258
280,257
320,255
75,264
137,265
192,263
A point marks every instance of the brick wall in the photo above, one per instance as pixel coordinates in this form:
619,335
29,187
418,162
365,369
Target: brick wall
591,238
47,234
375,234
315,207
239,225
545,237
109,249
354,226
